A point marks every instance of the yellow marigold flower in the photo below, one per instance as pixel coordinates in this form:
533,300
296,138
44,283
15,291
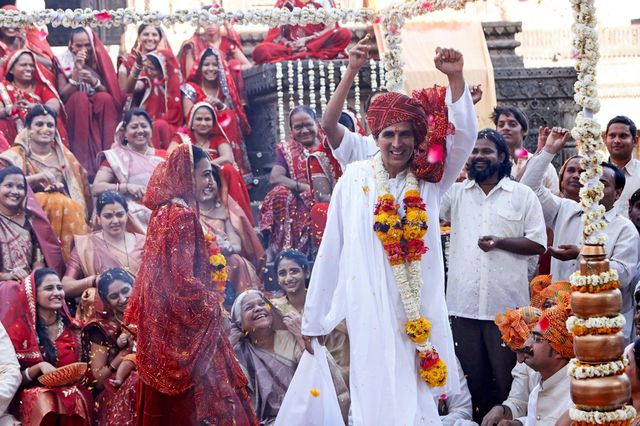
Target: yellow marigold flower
412,193
418,330
413,233
314,392
436,375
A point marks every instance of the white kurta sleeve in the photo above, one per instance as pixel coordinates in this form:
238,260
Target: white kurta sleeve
534,227
353,147
551,181
324,307
10,377
519,393
533,177
459,145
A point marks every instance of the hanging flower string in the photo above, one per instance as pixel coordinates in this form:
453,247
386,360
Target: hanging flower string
356,95
312,84
292,103
403,241
300,83
323,86
280,97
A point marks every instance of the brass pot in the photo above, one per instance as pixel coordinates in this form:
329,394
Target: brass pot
597,349
593,260
604,304
602,393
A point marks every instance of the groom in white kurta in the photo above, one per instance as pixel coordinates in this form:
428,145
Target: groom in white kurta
352,278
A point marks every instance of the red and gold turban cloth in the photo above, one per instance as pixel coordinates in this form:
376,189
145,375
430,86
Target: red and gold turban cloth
427,112
516,325
553,327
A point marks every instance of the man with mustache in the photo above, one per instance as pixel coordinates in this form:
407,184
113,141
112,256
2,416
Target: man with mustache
620,140
497,224
564,216
513,126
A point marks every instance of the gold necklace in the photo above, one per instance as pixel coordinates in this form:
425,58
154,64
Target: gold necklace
11,216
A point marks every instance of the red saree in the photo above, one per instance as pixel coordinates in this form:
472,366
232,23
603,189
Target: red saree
114,406
161,99
43,91
196,44
233,119
322,163
92,118
188,369
330,45
285,214
70,405
236,185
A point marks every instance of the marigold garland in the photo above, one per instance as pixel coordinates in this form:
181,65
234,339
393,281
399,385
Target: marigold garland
217,262
403,242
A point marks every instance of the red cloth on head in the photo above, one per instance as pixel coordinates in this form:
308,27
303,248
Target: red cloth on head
105,67
181,342
20,322
161,99
427,112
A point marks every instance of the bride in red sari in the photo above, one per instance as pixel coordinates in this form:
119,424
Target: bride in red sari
289,42
204,130
188,371
45,337
210,81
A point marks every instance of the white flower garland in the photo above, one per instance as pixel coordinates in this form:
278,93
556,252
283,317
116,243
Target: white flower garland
408,276
588,371
332,77
587,129
343,70
312,84
323,86
578,280
374,76
601,417
292,103
356,96
280,94
595,322
383,73
300,78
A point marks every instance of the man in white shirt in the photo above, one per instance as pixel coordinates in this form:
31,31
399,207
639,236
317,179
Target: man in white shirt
564,216
547,351
10,377
620,140
513,126
496,225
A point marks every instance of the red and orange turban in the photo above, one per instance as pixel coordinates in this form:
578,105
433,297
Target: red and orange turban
427,112
553,327
516,325
542,289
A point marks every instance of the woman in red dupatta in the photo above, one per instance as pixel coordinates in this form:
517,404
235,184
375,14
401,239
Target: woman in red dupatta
31,38
94,103
27,241
107,345
45,337
223,39
188,371
284,214
222,216
149,40
289,42
210,81
204,130
158,92
24,85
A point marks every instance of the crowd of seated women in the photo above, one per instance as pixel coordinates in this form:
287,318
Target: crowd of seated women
79,140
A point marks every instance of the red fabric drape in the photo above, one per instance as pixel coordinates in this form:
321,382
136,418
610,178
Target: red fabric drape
182,347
